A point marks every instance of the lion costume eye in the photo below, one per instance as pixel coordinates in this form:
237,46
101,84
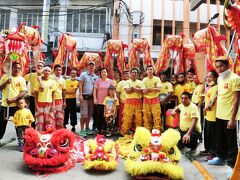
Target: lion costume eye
64,143
137,148
171,151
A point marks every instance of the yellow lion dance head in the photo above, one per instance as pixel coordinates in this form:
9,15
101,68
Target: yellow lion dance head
153,154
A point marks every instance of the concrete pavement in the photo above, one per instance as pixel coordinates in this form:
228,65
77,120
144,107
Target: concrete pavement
13,167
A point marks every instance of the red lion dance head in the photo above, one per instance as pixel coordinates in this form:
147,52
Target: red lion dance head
49,152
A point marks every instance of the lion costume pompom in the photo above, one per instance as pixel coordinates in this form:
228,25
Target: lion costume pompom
150,154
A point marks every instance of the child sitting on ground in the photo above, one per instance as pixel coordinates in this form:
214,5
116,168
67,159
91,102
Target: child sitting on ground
110,109
22,120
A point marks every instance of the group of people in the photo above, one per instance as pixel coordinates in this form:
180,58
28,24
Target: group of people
119,105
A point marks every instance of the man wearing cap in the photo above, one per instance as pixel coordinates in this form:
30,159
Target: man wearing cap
17,85
228,99
86,85
32,78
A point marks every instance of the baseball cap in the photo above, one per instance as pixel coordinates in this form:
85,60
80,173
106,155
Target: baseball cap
91,62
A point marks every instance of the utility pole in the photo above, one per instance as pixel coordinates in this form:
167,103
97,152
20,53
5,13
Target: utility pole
45,20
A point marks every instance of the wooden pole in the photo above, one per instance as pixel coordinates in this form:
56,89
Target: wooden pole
115,22
186,11
151,26
173,17
162,26
140,27
228,38
198,19
218,18
208,9
129,26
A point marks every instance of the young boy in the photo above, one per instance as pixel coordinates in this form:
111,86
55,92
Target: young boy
189,127
71,88
22,120
44,101
110,109
59,96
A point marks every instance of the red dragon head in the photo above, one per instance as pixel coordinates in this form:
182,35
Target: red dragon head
49,152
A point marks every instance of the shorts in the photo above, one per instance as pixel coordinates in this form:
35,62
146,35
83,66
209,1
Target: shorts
87,108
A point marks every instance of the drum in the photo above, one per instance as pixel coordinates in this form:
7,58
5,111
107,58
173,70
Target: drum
171,120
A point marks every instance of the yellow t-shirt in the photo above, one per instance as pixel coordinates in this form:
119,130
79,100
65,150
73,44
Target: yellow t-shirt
71,86
110,103
115,83
154,82
137,84
49,87
179,89
18,85
211,115
120,89
32,78
186,115
225,98
166,88
60,86
197,93
192,86
23,117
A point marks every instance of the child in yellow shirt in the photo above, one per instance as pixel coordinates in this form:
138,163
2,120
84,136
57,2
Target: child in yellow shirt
110,109
22,119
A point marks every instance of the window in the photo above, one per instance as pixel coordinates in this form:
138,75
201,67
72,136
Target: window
214,2
93,21
34,18
4,19
157,31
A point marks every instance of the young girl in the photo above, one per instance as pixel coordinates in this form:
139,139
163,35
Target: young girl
22,120
110,109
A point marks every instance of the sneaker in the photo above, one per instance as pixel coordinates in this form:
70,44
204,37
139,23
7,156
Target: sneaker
73,129
88,131
216,161
229,173
204,153
192,151
83,133
108,134
210,157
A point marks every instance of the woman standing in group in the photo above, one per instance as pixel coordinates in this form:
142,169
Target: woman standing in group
100,91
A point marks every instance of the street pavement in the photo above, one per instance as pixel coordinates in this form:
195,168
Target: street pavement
12,166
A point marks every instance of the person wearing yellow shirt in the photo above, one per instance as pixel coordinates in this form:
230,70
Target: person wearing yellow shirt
228,98
121,94
22,119
210,116
116,78
31,79
12,88
133,104
71,105
190,80
189,125
44,101
181,87
151,103
59,96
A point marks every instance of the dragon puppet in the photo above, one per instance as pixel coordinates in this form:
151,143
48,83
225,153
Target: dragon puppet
34,41
115,47
53,151
87,57
172,43
231,18
14,48
151,155
100,154
139,46
67,50
208,40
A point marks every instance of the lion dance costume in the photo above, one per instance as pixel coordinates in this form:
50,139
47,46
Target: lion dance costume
151,154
